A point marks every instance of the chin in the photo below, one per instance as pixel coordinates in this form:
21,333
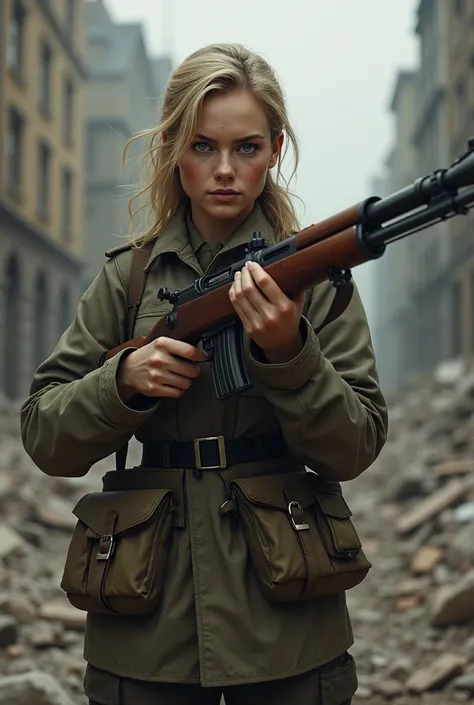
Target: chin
226,211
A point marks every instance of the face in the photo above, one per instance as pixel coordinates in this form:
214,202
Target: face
224,170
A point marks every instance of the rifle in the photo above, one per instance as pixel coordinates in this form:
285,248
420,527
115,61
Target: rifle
325,251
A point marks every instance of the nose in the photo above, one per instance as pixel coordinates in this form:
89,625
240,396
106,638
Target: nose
224,170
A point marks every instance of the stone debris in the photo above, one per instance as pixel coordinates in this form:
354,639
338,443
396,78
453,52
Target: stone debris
413,616
435,674
454,604
32,687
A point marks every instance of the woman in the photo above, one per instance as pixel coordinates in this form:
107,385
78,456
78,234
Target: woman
315,401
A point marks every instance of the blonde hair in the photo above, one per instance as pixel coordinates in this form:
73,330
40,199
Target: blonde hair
218,67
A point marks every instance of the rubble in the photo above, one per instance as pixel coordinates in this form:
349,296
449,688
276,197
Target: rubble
413,616
414,512
32,687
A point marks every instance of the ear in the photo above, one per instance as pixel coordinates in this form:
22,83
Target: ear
276,150
164,137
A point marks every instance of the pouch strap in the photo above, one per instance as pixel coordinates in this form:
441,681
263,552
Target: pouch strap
302,529
101,560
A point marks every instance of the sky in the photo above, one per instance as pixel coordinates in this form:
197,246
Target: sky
337,61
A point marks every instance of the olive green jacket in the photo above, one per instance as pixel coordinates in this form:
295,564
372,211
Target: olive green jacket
214,625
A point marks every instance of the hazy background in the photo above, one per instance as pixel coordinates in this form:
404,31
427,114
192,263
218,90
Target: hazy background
337,62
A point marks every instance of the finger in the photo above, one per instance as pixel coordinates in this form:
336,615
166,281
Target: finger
183,368
246,321
250,294
169,392
180,348
234,295
170,379
265,283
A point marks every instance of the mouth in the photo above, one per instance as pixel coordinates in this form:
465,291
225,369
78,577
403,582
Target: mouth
224,195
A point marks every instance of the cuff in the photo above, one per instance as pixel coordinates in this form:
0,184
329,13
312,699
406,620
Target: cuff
295,373
112,405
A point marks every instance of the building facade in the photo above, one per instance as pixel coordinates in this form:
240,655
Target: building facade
461,128
122,92
393,275
41,180
426,290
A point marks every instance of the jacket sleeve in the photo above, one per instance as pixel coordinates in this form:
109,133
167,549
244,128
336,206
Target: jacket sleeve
328,400
74,415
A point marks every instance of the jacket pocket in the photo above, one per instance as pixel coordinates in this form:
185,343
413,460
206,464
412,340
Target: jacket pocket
300,535
117,554
338,681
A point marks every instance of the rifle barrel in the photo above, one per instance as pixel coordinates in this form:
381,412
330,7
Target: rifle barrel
422,192
443,208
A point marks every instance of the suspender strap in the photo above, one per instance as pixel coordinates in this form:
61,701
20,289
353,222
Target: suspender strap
136,284
136,287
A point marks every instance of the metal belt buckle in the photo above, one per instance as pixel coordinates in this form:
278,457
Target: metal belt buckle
222,454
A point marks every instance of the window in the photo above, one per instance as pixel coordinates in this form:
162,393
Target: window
44,85
14,150
40,325
70,14
44,175
66,207
15,38
68,110
64,308
456,303
461,106
11,340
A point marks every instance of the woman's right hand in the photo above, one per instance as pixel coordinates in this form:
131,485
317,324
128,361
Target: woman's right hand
163,368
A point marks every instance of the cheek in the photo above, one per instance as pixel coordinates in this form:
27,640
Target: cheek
191,173
256,173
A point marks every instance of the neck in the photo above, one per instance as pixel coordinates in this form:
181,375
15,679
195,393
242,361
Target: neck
214,229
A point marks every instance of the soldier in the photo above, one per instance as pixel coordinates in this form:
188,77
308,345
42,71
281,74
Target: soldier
240,590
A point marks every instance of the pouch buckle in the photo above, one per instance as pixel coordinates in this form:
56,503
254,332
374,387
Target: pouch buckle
105,551
298,524
220,440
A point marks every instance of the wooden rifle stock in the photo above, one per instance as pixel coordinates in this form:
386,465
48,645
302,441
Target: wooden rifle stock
327,250
332,243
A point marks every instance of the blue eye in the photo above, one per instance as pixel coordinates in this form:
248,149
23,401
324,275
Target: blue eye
249,148
197,146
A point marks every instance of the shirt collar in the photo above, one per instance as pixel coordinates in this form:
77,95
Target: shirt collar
176,238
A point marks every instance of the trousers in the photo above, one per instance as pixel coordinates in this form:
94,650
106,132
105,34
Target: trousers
333,684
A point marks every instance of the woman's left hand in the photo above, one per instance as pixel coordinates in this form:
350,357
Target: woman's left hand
269,317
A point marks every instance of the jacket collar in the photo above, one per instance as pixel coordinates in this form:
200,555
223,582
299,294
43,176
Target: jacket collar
174,237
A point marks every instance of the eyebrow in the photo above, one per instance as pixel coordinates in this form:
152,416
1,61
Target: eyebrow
241,139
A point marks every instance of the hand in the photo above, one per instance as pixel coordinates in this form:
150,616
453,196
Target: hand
159,369
269,317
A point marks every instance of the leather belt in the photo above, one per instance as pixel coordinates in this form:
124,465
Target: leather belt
213,452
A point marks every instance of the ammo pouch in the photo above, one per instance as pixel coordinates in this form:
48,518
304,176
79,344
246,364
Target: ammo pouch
116,558
299,532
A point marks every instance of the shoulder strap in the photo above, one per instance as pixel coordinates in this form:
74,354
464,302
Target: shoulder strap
136,287
340,302
136,284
